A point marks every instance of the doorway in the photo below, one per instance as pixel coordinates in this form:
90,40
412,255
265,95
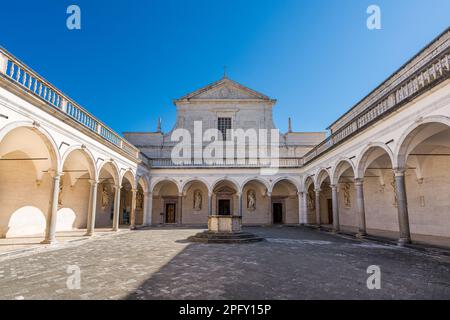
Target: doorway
224,207
277,213
330,211
170,212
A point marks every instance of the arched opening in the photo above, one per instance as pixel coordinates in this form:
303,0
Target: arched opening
284,203
343,178
325,197
126,198
255,203
195,203
27,161
166,203
380,200
74,191
108,179
225,198
425,150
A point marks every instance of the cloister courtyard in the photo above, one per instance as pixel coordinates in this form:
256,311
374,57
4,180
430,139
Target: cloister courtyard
158,263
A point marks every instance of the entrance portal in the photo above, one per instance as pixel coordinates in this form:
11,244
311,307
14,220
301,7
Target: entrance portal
224,207
170,212
277,213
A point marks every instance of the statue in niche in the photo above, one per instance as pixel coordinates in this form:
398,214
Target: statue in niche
197,200
105,197
310,202
251,200
139,200
61,184
394,186
347,199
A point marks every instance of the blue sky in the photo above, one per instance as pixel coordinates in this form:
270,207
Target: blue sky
132,58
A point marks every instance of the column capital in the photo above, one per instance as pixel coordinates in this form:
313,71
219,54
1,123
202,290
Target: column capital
269,194
93,182
56,174
133,190
333,186
358,181
399,172
148,193
317,190
117,187
300,193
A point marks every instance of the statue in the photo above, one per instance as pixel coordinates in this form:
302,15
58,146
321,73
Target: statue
139,200
394,186
310,203
347,200
61,183
197,200
105,197
251,200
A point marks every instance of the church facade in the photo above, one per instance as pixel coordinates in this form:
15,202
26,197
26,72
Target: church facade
382,170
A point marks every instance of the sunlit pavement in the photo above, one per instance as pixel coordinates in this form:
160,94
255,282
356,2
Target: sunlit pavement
157,263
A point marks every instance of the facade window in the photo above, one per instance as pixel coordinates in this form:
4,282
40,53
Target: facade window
224,124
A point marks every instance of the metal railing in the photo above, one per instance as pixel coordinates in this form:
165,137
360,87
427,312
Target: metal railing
36,85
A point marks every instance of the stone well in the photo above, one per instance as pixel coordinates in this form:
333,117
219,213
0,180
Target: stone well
224,229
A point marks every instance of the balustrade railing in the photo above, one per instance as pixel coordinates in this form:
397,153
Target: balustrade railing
430,73
25,77
227,163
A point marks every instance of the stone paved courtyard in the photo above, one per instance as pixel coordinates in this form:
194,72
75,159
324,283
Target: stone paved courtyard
293,263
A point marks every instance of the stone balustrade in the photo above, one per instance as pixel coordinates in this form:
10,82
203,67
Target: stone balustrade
20,74
426,75
228,163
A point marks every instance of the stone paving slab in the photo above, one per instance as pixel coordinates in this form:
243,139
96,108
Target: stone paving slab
292,263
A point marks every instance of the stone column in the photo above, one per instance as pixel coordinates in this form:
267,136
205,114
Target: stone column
210,195
317,203
50,230
148,209
180,209
269,199
301,215
305,207
359,185
116,208
133,209
92,208
402,206
335,201
239,204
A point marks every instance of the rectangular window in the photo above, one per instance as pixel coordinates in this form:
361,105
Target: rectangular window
224,124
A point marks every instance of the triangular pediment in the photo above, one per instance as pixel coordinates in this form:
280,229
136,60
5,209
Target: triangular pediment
224,89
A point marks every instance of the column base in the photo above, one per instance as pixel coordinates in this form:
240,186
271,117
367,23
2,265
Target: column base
115,229
49,241
403,241
361,235
335,231
89,234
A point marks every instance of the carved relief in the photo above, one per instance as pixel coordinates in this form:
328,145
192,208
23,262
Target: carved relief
197,200
251,200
